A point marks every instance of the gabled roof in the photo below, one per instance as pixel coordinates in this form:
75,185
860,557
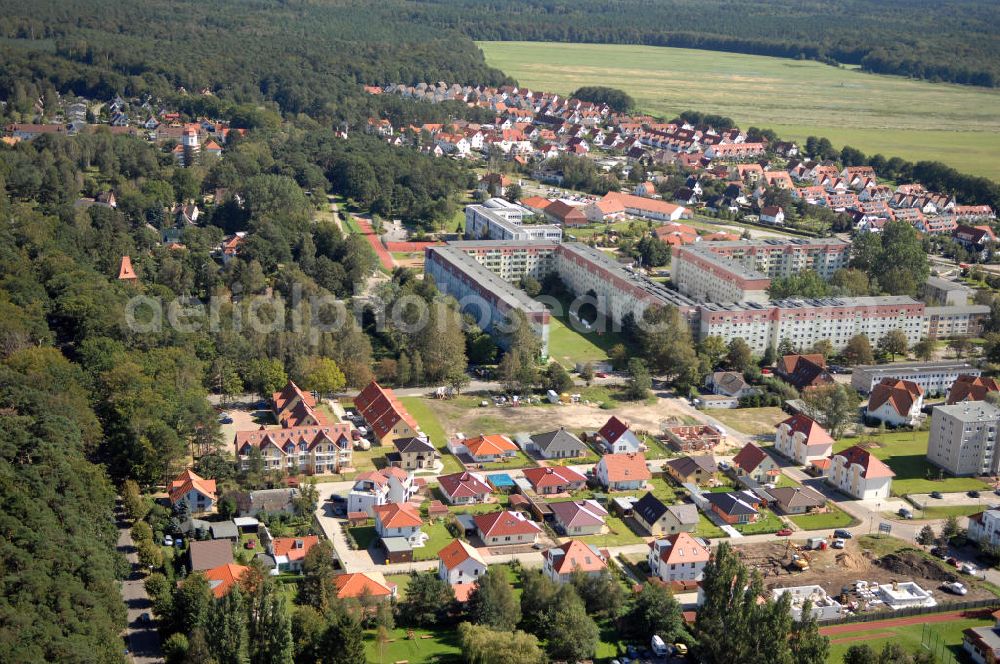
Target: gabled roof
457,553
804,371
649,508
971,388
816,436
489,445
579,513
183,483
625,467
504,523
209,553
613,429
901,395
729,382
685,513
413,444
789,497
310,434
398,515
381,409
126,272
873,467
224,577
463,485
750,457
686,465
560,439
295,548
552,476
289,393
576,555
732,503
682,548
362,583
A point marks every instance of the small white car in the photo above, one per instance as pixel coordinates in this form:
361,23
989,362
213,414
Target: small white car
837,544
168,541
956,588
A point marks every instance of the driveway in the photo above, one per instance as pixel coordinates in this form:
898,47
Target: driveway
143,640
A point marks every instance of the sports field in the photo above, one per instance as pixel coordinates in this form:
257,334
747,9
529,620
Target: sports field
959,125
939,633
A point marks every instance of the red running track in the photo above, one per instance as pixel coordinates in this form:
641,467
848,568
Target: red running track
383,254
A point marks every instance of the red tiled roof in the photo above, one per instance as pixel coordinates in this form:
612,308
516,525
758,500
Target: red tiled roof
684,549
552,476
463,485
499,524
381,409
186,481
358,584
749,457
900,394
295,548
489,445
613,429
814,433
576,555
873,467
624,467
971,388
224,577
457,553
126,272
398,515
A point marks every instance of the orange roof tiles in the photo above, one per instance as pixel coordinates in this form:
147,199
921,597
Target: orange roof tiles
505,523
971,388
295,548
186,481
576,555
398,515
684,549
126,272
457,553
224,577
814,433
900,394
361,583
625,467
873,467
552,476
489,445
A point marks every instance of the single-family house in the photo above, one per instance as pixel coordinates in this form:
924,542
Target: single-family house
802,439
983,643
754,463
464,488
574,556
506,528
730,384
796,499
460,563
616,437
399,520
554,479
380,487
772,214
484,449
735,507
678,557
206,554
290,552
412,453
857,472
364,584
804,371
696,470
895,402
651,514
576,518
222,578
193,493
622,472
558,444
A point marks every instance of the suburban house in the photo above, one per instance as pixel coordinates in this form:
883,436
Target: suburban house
380,487
730,384
364,584
983,643
802,439
412,453
971,388
193,493
384,413
554,479
796,499
622,472
207,554
895,402
483,449
464,488
460,563
616,438
222,578
804,371
579,517
505,528
289,552
558,444
857,472
678,557
399,520
652,514
692,469
734,507
772,214
754,463
562,561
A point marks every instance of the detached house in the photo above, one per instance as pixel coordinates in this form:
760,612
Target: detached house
735,507
754,463
616,438
622,472
464,488
857,472
971,388
380,487
695,470
460,563
290,552
804,371
802,439
558,444
412,453
679,557
562,561
483,449
895,402
506,528
399,520
364,584
193,493
554,479
579,517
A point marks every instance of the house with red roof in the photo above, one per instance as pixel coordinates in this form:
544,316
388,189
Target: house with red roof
293,407
576,518
857,472
399,520
804,371
482,448
289,552
679,557
198,495
615,437
459,562
754,463
971,388
648,208
126,272
222,578
385,414
554,479
802,439
464,488
310,449
563,213
361,584
574,556
895,402
622,472
506,528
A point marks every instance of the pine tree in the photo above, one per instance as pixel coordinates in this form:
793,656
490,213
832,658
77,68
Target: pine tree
226,628
269,628
343,641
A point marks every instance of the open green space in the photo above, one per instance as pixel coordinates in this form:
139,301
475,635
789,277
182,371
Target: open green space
568,346
892,115
835,518
439,538
442,647
618,534
753,421
946,637
706,528
430,425
364,536
906,453
945,511
769,522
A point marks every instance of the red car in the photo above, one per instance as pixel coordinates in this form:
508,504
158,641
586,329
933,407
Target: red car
601,374
784,532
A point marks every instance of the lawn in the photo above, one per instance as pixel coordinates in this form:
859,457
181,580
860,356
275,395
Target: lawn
430,425
519,460
893,115
945,511
835,518
442,648
567,346
785,480
440,537
906,453
706,528
619,534
752,421
769,523
946,637
364,536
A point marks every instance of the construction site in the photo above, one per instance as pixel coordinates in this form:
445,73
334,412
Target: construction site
850,575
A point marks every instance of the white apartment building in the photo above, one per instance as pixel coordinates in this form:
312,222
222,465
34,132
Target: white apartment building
985,527
933,377
857,472
380,487
497,219
963,438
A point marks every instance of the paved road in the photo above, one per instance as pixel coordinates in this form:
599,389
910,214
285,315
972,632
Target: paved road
143,639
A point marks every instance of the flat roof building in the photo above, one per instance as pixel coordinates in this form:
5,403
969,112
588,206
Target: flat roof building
497,219
963,438
933,377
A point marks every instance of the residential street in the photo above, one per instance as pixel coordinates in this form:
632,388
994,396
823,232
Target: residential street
143,640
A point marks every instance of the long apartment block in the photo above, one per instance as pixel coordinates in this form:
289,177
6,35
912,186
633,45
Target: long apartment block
741,271
497,219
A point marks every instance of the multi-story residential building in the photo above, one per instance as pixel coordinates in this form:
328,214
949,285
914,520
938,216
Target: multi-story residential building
309,450
984,527
497,219
380,487
574,556
857,472
944,292
963,438
934,378
965,320
895,402
384,413
679,557
802,439
197,495
742,271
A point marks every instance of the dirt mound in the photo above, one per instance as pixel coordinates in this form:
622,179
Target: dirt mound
853,562
911,565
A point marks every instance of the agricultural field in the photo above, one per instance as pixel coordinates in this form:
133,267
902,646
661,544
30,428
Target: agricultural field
958,125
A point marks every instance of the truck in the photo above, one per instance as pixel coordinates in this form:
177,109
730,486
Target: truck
816,543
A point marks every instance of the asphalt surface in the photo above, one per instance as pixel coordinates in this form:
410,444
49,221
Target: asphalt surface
142,639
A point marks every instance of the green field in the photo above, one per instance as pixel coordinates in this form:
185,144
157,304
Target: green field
752,421
959,125
947,637
906,453
835,518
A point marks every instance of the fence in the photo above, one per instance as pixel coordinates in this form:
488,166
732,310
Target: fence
914,611
931,641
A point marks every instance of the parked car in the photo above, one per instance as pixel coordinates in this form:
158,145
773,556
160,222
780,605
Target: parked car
955,587
967,569
936,494
784,532
600,374
225,419
179,542
145,618
939,552
168,541
953,562
905,513
842,533
972,494
838,543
